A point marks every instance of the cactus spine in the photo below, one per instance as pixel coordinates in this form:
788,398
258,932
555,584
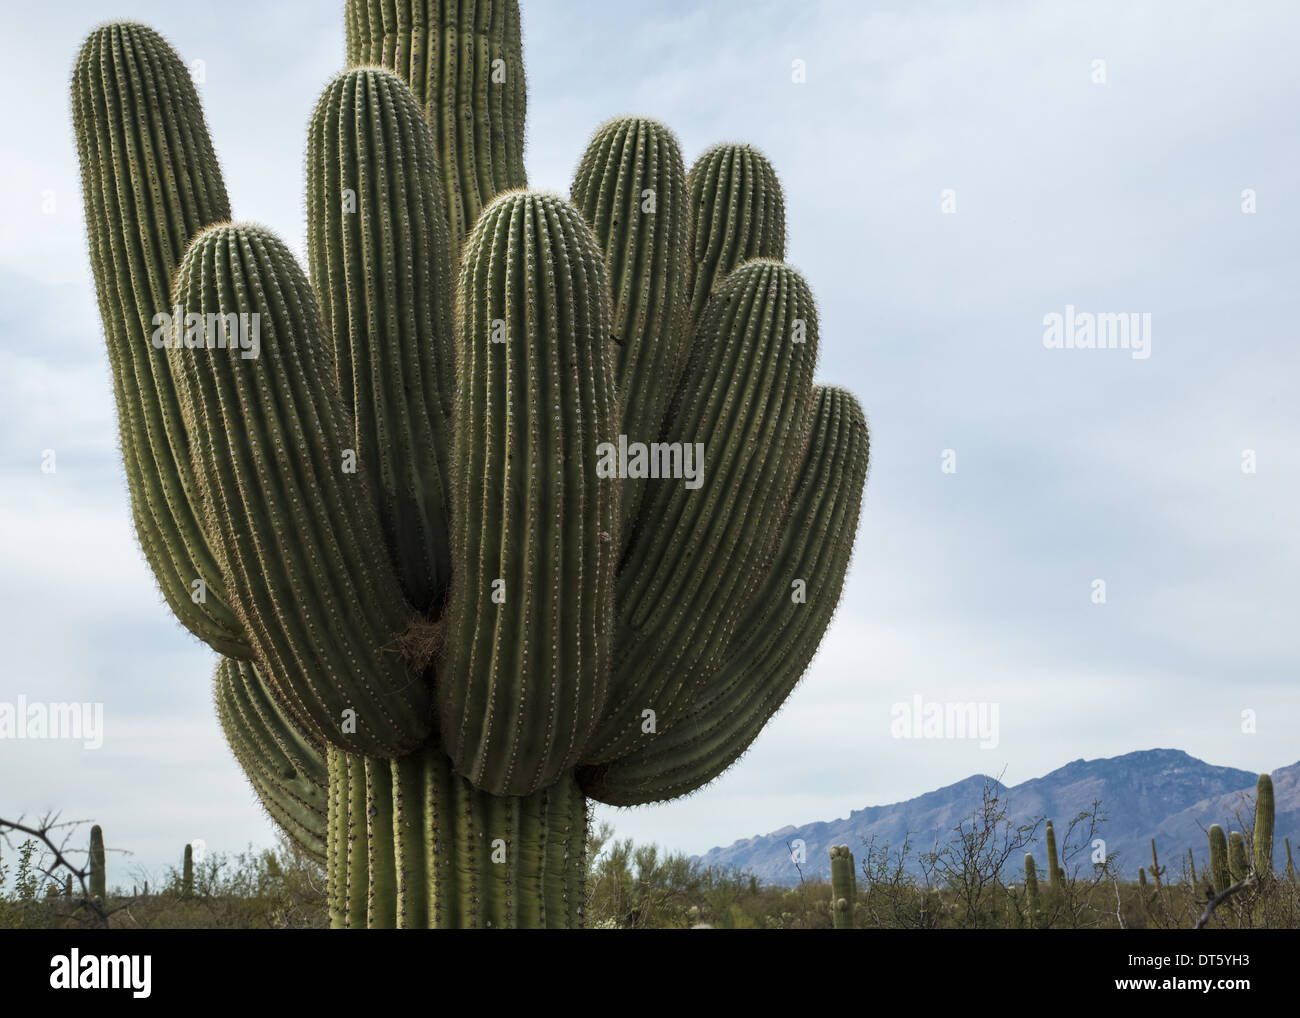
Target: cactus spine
844,887
98,883
384,498
1262,834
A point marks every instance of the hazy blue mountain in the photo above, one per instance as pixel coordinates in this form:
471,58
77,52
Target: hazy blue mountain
1160,793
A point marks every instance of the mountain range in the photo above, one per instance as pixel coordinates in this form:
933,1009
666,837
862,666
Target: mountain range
1164,794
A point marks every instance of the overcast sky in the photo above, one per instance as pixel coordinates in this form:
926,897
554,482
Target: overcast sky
1113,196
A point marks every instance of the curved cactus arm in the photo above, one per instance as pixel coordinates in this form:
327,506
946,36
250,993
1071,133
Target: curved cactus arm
285,767
739,214
631,189
377,239
465,64
779,634
150,181
529,621
296,532
706,545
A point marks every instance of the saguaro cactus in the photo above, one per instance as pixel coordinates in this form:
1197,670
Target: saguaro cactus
517,503
1031,889
98,883
1055,875
187,878
1262,835
844,887
1220,874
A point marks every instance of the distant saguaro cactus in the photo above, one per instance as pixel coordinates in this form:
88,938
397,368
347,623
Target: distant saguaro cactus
1262,834
187,878
1238,861
1031,888
1220,873
98,882
1055,875
844,887
516,503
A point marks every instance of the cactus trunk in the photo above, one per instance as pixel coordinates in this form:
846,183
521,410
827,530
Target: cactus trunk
187,878
412,845
1219,871
1262,835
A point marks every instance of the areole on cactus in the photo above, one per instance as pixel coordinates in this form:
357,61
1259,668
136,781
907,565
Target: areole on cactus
442,629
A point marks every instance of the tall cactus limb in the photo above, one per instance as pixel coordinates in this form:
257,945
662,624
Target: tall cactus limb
150,181
777,637
377,238
464,63
296,533
698,562
529,632
631,189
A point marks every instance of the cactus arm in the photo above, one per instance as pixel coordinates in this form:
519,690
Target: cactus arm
778,636
1053,870
533,527
1238,862
699,560
739,214
150,181
631,189
377,239
325,615
286,769
466,69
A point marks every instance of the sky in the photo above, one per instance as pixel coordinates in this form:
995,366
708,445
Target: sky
954,174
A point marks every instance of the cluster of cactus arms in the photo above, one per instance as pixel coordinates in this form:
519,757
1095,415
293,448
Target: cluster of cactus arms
844,887
383,495
1231,861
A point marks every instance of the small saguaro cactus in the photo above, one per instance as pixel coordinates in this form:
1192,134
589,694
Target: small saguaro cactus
518,502
1157,871
1220,873
1191,866
1262,834
1031,888
1055,875
1290,864
98,885
187,878
844,887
